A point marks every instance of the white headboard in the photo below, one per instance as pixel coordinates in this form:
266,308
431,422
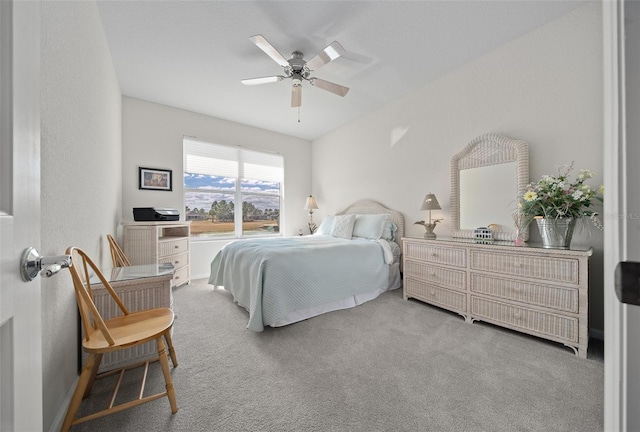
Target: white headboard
373,207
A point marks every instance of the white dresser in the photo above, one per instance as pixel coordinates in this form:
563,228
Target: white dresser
543,292
159,242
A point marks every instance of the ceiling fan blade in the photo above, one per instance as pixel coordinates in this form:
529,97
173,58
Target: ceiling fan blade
262,80
265,46
329,86
331,52
296,96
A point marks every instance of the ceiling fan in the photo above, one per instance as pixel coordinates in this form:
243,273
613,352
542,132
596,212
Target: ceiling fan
298,69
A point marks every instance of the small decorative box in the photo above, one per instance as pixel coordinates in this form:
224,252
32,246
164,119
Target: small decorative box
483,235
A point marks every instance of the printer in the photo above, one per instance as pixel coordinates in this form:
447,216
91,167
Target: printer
155,214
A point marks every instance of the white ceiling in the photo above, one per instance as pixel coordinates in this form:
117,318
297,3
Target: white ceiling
193,54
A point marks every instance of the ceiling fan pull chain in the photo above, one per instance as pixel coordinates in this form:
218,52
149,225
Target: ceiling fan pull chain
298,114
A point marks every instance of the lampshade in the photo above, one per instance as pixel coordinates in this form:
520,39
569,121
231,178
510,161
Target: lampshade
311,203
430,202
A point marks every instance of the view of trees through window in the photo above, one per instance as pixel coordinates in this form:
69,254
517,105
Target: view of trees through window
210,205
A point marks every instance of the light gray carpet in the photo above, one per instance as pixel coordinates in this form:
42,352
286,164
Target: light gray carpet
387,365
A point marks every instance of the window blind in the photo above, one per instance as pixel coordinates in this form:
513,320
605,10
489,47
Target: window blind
227,161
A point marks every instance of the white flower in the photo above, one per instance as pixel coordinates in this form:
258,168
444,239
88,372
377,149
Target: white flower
585,174
578,195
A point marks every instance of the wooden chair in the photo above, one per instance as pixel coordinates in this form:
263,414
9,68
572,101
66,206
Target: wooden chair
103,336
118,257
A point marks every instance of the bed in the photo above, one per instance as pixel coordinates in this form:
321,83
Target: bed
353,258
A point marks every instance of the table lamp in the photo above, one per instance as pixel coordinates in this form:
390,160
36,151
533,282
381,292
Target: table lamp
430,202
311,205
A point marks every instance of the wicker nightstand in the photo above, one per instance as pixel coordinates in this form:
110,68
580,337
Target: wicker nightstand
159,242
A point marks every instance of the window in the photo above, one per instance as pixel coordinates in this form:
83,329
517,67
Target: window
231,191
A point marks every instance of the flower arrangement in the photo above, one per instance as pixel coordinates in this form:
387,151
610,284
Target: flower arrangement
559,197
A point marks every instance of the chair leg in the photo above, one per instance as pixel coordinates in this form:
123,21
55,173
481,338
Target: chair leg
172,352
164,363
92,377
78,393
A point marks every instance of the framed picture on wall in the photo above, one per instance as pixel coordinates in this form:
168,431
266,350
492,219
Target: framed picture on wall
154,179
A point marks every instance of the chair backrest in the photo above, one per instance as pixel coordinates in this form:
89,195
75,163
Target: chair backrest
82,270
117,254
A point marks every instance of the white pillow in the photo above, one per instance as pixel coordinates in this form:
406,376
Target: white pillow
369,226
326,226
343,226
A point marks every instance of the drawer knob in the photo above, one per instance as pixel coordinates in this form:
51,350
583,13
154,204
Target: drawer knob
176,262
516,315
176,246
433,275
433,293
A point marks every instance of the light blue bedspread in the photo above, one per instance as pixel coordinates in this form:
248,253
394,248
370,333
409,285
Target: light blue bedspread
274,276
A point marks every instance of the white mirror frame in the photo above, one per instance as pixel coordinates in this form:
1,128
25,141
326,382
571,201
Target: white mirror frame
488,150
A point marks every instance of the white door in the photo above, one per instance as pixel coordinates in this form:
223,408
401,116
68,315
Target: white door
621,49
631,354
20,317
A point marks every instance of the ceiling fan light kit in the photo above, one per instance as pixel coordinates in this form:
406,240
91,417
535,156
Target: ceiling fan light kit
299,70
296,94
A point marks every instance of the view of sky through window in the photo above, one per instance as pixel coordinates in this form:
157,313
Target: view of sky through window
224,188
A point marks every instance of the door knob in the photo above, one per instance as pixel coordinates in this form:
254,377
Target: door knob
627,282
32,263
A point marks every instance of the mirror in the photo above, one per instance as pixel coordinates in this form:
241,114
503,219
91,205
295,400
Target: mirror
474,184
486,177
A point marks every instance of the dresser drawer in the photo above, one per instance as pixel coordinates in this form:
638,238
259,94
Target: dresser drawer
432,294
454,279
436,254
181,276
172,247
178,261
525,319
560,298
545,268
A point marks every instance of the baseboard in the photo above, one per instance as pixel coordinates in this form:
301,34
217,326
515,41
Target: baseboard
200,276
596,334
62,411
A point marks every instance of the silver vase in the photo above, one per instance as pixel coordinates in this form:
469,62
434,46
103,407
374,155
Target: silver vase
556,233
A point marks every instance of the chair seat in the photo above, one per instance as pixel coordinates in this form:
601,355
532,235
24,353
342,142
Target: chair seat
131,330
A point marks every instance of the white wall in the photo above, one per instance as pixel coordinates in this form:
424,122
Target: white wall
81,177
544,88
152,137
